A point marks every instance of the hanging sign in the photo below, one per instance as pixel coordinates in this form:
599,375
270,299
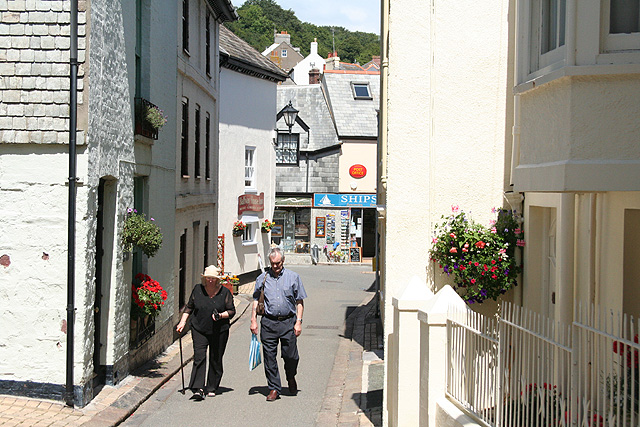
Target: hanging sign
358,171
250,202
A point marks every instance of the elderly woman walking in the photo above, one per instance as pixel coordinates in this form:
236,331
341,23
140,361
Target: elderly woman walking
212,306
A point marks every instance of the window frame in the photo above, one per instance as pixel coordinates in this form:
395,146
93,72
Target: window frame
251,230
297,149
207,44
207,147
616,42
251,187
283,53
355,95
539,62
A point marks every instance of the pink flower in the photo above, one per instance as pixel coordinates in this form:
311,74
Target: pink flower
492,222
473,281
434,240
452,235
455,208
493,210
493,230
520,243
465,250
466,245
453,250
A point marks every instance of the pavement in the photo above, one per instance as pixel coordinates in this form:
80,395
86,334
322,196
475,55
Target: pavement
353,396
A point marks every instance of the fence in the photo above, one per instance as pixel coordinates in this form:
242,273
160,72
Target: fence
525,370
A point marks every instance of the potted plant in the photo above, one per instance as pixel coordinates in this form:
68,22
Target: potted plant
266,226
139,232
147,299
155,116
481,260
238,228
230,282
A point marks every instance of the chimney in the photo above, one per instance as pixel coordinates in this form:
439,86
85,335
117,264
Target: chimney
282,37
314,47
314,76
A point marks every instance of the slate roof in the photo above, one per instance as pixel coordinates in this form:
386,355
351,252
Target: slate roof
238,55
310,102
354,118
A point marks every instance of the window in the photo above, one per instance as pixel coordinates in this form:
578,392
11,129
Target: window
249,167
207,45
249,237
284,53
207,147
547,32
182,270
287,149
621,25
206,245
196,149
184,152
185,25
361,90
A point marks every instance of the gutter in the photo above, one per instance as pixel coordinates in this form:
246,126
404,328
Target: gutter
71,224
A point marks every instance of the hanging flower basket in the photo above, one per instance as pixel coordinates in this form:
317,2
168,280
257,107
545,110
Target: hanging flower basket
139,232
155,117
266,226
481,260
238,228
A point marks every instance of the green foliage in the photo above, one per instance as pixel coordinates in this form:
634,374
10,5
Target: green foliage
260,18
481,260
139,232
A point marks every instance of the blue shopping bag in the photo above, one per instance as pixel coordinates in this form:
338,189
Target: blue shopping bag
255,357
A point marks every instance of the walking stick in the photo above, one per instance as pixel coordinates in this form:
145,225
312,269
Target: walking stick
181,363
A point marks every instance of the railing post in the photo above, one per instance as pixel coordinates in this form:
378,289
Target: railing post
433,351
404,378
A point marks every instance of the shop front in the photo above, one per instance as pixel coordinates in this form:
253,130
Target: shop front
292,215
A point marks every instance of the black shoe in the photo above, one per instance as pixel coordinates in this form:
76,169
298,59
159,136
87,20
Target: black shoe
198,395
293,385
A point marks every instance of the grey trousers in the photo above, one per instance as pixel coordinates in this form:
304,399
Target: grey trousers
273,332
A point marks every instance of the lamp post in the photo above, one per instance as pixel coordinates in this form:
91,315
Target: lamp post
290,114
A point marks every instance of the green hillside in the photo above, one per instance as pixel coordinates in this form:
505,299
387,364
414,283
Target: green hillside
259,19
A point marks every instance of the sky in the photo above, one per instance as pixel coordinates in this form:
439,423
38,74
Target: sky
354,15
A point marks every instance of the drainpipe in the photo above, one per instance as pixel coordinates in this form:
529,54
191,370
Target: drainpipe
73,116
307,160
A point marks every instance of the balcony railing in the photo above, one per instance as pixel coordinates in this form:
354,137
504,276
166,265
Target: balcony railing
142,125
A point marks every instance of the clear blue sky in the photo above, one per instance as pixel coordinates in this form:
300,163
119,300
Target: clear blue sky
354,15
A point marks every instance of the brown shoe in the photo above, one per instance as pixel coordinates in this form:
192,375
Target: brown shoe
293,385
273,395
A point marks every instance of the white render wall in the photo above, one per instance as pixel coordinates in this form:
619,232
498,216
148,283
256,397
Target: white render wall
247,118
357,153
36,239
447,130
313,60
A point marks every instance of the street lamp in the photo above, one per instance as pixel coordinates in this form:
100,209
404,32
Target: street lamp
290,114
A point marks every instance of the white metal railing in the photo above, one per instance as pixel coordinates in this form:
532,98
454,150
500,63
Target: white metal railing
522,369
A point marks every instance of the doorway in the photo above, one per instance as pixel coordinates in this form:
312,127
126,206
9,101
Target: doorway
103,259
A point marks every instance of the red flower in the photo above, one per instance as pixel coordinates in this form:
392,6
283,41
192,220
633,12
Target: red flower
480,244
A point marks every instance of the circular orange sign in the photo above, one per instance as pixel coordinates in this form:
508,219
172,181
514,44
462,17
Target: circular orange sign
358,171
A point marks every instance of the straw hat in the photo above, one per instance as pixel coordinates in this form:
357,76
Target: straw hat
212,271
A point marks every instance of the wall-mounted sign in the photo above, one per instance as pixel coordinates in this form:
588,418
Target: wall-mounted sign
344,200
293,201
358,171
250,202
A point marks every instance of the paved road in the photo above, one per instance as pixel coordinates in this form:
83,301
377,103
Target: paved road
334,290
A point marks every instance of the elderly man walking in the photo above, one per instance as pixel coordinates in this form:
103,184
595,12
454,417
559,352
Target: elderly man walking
281,323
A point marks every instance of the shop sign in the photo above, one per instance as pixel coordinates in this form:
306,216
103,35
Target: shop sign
328,200
293,201
358,171
250,202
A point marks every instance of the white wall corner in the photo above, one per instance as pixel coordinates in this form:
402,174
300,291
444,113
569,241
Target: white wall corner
414,295
434,312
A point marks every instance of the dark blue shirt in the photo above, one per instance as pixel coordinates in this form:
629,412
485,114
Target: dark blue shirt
281,292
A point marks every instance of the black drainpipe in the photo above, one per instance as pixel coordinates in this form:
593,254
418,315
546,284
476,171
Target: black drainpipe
73,113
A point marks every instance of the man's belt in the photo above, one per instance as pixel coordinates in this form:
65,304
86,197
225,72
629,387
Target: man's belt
288,316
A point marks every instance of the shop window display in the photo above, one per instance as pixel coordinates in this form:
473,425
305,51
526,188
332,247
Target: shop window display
292,231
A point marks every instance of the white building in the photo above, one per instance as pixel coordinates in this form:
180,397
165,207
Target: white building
313,61
118,169
247,159
515,111
197,162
